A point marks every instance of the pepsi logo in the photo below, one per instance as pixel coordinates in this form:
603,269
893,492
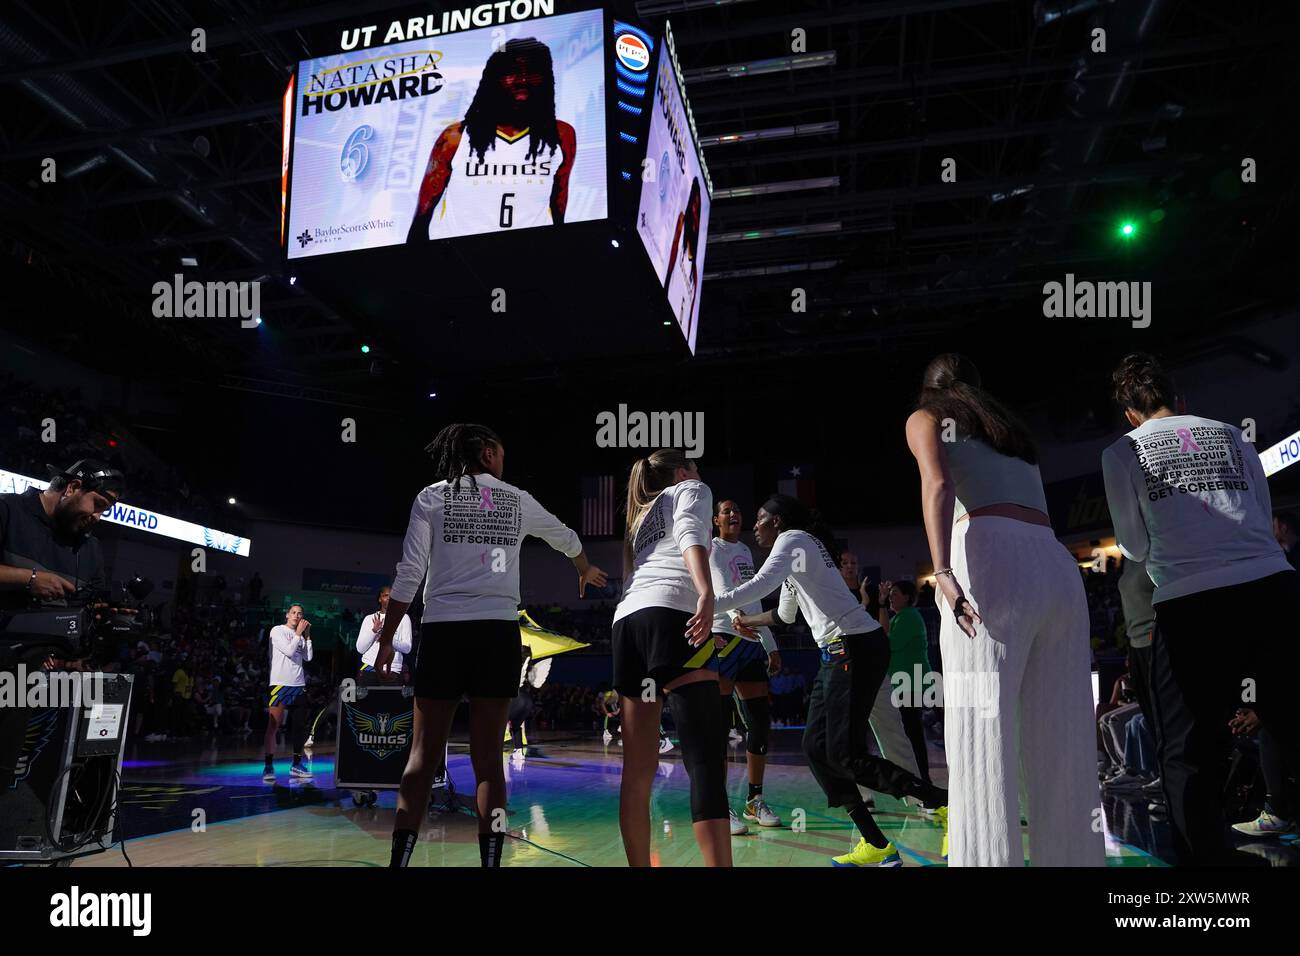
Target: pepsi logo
632,52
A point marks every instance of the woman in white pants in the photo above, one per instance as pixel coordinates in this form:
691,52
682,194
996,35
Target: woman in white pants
1014,634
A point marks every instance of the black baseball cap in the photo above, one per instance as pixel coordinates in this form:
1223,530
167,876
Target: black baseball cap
94,475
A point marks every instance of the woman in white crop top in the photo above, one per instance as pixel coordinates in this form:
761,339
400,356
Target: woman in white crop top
1014,634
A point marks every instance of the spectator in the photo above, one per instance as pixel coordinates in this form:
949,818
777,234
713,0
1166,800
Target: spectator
1286,529
1189,495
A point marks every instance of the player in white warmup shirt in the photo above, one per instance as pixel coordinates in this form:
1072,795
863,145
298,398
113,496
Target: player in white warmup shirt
290,649
744,662
368,648
855,657
463,543
506,165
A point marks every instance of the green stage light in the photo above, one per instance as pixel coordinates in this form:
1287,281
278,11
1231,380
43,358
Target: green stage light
365,350
1128,229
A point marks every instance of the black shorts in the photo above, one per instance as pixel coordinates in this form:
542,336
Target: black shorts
474,658
650,644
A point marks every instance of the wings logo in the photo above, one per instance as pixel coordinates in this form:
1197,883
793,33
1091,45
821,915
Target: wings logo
380,735
220,541
39,730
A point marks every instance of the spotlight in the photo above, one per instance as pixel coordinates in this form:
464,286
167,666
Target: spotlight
230,501
365,350
293,280
1128,229
614,243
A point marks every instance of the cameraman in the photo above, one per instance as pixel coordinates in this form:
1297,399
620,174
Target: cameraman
47,552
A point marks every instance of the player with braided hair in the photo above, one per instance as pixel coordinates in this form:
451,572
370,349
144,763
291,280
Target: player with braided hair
463,542
498,168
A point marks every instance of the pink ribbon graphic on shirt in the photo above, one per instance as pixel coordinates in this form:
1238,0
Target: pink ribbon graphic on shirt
485,499
1189,443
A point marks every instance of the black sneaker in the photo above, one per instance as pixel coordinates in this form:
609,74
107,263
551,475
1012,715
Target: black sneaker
268,774
301,772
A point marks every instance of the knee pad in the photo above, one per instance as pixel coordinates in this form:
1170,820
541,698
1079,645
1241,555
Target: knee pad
701,724
758,722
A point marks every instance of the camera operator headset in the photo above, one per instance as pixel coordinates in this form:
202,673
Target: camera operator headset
47,552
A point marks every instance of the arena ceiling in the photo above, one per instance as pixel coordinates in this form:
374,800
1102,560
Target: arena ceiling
826,169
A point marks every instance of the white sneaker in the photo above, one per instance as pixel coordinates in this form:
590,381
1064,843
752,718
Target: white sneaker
737,825
758,811
310,742
735,735
1266,824
607,737
665,745
301,772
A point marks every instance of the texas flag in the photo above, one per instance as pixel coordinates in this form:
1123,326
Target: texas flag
797,481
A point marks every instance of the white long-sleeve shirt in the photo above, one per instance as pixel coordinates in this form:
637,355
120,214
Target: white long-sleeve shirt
1188,496
732,564
813,585
679,518
367,638
464,545
288,652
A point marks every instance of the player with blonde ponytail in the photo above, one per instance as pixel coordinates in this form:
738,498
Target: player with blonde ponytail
663,645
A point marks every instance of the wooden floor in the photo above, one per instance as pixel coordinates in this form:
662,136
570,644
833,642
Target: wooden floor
563,811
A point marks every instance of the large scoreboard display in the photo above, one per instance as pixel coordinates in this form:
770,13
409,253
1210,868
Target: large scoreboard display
673,214
484,131
546,140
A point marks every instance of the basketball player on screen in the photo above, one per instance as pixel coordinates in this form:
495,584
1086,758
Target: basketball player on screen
496,169
686,239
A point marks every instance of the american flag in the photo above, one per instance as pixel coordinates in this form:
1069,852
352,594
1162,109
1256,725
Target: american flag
598,506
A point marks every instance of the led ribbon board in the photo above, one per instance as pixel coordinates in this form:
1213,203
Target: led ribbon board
1282,455
138,518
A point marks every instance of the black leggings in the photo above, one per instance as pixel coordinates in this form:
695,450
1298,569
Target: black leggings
1278,775
1196,684
915,731
837,731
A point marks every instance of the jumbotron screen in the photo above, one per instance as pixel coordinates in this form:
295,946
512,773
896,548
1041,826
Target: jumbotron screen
673,215
489,130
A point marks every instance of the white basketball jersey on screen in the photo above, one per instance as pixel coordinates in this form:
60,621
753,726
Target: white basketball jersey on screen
505,191
683,283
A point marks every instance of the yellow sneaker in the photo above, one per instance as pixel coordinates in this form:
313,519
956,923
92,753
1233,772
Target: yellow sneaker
864,854
941,815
